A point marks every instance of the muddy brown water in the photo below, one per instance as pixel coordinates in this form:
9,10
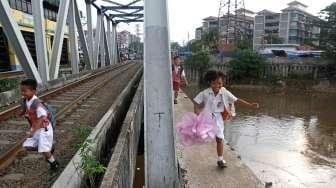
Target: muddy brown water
290,141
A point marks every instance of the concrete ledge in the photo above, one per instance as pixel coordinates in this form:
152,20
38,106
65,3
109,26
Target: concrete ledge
72,176
198,163
121,168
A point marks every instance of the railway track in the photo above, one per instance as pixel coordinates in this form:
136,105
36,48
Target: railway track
65,100
12,74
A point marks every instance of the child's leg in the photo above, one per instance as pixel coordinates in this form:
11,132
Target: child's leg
45,147
220,147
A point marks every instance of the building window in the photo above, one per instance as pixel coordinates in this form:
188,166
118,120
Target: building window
29,8
259,19
293,32
274,24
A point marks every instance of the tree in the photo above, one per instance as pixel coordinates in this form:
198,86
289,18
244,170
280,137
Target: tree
247,64
273,38
136,46
210,40
175,46
328,30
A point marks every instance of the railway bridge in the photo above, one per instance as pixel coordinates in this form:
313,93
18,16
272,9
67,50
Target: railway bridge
105,108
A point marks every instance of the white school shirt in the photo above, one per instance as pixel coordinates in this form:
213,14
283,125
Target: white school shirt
40,111
215,104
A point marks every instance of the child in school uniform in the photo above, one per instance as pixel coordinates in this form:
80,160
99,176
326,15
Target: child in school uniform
40,134
220,102
178,76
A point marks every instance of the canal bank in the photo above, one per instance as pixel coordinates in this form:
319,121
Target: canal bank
198,163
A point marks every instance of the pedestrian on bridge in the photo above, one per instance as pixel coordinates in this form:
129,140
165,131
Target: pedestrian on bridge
220,102
40,134
179,76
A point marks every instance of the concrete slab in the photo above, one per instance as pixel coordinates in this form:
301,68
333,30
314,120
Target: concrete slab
200,162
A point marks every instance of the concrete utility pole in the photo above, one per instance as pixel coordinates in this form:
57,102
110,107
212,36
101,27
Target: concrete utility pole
160,159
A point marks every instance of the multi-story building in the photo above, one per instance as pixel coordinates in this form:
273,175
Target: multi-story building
198,34
22,13
125,38
294,25
231,27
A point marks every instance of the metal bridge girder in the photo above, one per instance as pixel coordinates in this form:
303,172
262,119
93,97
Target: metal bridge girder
14,35
84,44
58,39
97,39
73,38
123,7
40,40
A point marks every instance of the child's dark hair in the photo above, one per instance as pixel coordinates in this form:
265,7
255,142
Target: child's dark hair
176,57
29,82
213,75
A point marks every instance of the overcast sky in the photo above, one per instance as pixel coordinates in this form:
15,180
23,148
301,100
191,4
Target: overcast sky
186,15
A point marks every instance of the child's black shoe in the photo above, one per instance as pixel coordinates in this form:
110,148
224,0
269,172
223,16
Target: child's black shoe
221,164
54,165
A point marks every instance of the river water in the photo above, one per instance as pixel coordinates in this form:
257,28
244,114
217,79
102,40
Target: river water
290,141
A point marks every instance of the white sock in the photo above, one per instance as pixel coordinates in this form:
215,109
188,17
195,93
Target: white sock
220,158
51,159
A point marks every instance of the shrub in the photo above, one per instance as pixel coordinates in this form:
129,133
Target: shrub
7,84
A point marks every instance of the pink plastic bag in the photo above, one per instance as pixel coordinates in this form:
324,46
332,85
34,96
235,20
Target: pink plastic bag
193,129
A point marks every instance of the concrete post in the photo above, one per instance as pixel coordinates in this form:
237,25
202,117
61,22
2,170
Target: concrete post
160,159
73,39
40,40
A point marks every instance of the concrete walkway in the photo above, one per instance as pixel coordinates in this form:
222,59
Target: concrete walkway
200,162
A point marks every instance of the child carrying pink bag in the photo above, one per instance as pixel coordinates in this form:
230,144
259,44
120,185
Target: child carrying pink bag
196,129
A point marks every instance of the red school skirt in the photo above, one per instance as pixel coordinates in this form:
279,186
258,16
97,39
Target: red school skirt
176,86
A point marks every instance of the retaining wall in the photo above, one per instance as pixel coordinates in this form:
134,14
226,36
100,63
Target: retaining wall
105,130
121,168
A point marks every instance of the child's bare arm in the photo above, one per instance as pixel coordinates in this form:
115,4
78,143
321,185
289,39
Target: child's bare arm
198,107
248,104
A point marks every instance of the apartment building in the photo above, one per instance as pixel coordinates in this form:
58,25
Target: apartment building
294,25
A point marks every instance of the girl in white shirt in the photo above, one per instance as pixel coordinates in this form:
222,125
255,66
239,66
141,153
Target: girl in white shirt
216,99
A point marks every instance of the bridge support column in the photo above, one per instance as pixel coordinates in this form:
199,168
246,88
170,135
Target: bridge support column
14,35
40,40
160,159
